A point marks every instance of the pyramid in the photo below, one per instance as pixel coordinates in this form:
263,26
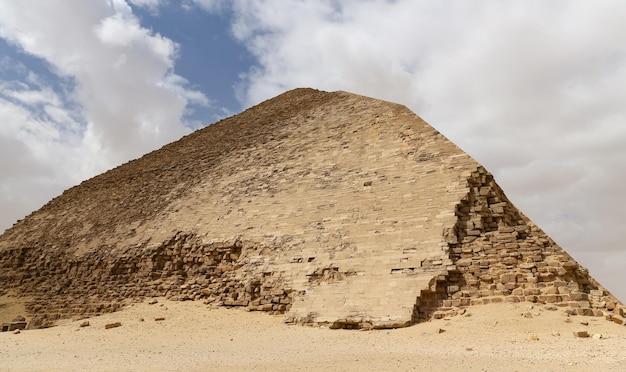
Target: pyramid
330,208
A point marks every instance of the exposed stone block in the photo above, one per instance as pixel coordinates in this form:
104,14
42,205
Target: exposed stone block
112,325
552,298
563,290
509,261
596,292
550,290
531,291
584,311
579,296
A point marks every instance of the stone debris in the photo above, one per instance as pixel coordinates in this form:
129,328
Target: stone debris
84,323
331,209
158,319
581,334
35,323
12,326
532,337
112,325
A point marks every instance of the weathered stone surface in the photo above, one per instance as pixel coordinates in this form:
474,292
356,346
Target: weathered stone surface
112,325
582,334
11,326
35,323
330,208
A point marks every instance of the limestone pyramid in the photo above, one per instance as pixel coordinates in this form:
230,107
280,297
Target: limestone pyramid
331,208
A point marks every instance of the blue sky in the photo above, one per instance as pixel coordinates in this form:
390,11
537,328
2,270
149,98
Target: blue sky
534,90
209,56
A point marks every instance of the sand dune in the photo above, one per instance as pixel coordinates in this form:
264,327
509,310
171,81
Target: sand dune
192,337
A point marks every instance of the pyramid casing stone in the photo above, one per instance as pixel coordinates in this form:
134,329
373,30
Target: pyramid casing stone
330,208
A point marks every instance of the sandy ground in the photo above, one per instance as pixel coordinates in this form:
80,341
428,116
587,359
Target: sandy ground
193,337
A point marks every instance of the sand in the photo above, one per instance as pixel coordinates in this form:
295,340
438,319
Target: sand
193,337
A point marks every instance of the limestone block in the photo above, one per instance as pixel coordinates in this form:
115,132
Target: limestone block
112,325
549,290
597,292
486,278
569,265
577,296
531,291
504,229
552,298
583,304
464,262
509,261
508,278
584,311
563,290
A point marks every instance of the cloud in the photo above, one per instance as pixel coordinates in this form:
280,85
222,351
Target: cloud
152,5
101,90
534,90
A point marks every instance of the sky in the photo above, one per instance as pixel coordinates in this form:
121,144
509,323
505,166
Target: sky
534,90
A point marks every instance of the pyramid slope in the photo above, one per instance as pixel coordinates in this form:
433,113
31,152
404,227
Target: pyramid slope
331,208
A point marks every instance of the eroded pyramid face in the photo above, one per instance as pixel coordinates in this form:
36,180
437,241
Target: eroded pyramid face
331,208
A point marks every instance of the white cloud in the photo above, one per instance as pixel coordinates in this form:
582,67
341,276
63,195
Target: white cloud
534,90
125,32
152,5
120,97
32,97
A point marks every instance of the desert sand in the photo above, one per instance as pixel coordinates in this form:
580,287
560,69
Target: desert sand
192,337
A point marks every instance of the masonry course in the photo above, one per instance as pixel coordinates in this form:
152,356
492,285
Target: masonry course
329,208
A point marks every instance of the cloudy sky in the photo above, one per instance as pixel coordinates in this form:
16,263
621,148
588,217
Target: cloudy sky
534,90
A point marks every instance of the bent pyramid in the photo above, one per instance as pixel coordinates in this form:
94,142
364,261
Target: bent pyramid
331,208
